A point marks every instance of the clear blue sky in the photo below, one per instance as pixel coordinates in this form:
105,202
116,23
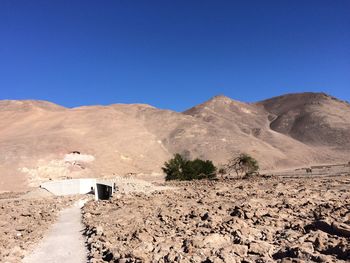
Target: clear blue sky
171,53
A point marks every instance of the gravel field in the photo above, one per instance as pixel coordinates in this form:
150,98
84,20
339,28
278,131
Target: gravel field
255,220
24,221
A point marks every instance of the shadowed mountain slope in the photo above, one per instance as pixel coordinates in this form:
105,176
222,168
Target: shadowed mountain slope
41,141
313,118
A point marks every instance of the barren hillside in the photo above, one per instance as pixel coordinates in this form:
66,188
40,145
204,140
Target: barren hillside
41,141
313,118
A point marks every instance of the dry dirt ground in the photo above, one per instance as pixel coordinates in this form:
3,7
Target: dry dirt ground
23,222
255,220
64,241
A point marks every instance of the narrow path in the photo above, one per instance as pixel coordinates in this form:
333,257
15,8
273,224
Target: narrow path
64,241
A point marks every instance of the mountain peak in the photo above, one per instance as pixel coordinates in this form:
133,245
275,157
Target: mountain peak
290,101
220,98
304,96
26,105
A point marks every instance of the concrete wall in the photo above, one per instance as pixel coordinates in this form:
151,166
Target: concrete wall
106,185
70,187
105,182
75,186
86,184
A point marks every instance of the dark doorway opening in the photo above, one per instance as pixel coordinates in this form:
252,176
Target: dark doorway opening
104,192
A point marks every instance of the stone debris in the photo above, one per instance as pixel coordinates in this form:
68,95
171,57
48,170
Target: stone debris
256,220
23,222
126,185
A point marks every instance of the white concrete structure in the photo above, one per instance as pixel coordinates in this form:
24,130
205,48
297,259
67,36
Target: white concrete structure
102,189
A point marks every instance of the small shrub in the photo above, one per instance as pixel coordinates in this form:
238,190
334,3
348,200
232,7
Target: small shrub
222,171
180,168
244,164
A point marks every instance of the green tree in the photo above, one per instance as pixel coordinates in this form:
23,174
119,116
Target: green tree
175,167
201,169
180,168
244,164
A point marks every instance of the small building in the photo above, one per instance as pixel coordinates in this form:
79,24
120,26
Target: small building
102,189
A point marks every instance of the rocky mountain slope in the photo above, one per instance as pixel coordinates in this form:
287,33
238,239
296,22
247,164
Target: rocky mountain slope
312,118
41,141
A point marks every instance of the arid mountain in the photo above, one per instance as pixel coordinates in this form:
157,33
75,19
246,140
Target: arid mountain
312,118
41,141
251,126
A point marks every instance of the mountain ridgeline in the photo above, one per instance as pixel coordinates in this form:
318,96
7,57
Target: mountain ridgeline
40,140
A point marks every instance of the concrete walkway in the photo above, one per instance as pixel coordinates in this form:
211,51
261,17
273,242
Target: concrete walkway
64,241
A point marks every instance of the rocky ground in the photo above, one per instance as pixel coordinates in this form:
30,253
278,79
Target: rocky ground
255,220
24,220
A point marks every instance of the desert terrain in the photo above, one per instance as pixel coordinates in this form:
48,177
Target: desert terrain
37,138
24,220
285,215
257,220
288,217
